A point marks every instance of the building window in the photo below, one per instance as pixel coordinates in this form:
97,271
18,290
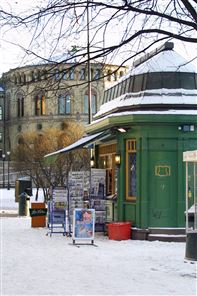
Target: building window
1,137
64,74
109,75
20,106
64,104
71,74
121,73
33,76
1,113
82,74
107,161
39,105
94,104
39,126
97,74
57,75
131,189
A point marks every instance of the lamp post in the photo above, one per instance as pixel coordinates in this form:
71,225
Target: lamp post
8,154
3,158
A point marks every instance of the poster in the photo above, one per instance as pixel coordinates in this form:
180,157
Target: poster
83,224
60,196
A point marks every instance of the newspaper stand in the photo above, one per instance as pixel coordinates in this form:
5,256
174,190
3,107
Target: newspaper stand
190,157
57,211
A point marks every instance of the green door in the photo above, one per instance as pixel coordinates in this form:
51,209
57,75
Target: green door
163,189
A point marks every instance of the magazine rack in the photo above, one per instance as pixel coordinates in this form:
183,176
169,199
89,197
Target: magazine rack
57,211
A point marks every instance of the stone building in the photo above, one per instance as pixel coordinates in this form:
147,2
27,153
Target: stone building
41,96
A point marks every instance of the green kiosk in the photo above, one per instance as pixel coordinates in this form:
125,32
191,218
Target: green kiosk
190,158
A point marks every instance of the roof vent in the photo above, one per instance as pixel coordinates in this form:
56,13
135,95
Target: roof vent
165,46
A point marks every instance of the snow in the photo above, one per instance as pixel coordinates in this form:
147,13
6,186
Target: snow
149,112
33,263
165,61
80,143
149,97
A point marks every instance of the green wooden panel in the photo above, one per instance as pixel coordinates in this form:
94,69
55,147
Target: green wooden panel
162,189
163,144
129,211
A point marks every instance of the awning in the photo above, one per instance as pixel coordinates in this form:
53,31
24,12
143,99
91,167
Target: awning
83,142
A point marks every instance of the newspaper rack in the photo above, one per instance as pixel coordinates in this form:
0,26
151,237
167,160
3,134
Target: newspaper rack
57,211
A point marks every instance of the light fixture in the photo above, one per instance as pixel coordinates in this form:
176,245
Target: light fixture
92,161
122,130
186,128
117,159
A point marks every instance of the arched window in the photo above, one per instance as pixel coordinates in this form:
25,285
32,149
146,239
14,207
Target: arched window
57,74
93,104
21,140
82,74
97,74
64,104
71,74
40,105
20,105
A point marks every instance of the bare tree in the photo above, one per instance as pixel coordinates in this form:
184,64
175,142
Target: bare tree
115,28
29,156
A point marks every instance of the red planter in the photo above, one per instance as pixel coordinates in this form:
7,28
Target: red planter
119,230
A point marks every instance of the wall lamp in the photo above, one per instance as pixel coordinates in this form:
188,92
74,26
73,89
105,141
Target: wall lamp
117,159
92,161
122,130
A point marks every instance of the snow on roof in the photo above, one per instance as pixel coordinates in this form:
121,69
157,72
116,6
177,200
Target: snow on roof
148,112
165,61
158,96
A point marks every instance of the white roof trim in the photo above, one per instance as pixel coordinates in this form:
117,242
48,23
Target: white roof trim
80,143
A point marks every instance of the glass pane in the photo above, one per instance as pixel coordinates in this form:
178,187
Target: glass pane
86,104
71,74
93,104
82,74
68,103
61,104
132,174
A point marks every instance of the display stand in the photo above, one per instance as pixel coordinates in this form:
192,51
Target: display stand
57,211
97,197
190,157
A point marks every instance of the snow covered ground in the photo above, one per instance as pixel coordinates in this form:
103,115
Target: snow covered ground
33,263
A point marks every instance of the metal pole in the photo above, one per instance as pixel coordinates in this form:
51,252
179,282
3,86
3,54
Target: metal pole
8,153
89,68
3,157
186,196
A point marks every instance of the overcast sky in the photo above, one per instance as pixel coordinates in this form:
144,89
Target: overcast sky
12,56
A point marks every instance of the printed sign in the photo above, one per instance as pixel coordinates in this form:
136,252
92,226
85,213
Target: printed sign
162,170
37,212
59,195
83,224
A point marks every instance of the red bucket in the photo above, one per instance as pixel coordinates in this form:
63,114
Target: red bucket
119,230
